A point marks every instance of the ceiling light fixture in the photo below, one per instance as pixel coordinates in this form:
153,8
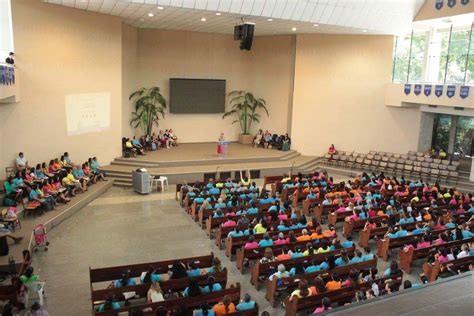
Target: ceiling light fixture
269,20
160,8
316,25
218,13
364,31
203,19
150,15
293,29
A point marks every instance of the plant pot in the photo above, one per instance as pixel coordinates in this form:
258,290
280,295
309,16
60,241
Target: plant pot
246,139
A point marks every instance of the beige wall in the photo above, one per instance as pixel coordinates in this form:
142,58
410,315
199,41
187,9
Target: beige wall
129,74
266,71
61,51
339,96
428,11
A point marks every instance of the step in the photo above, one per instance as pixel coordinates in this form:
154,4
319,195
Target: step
135,163
291,155
119,183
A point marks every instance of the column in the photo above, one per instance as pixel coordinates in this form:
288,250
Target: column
452,133
426,131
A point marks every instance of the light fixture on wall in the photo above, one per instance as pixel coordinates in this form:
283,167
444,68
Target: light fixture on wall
203,19
269,20
365,31
161,8
316,24
150,15
293,29
218,13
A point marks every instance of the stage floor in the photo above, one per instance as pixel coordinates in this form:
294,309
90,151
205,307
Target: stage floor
206,151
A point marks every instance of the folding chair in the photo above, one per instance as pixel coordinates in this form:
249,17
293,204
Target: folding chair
452,168
444,174
408,169
434,174
419,154
397,156
404,156
412,158
428,159
438,161
455,163
445,162
454,175
412,153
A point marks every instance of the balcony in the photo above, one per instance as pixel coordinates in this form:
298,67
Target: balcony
396,95
9,84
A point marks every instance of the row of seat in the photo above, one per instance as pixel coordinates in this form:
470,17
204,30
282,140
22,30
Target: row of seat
399,166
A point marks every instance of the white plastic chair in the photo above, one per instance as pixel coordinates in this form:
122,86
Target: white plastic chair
162,181
34,287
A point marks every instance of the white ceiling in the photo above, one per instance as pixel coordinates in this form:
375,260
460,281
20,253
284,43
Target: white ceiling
331,16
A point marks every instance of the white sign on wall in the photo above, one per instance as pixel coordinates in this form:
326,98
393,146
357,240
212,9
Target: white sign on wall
87,113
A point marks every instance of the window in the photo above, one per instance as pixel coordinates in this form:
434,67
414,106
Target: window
417,57
400,60
458,53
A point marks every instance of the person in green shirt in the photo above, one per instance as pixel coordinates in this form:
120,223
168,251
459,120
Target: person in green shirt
11,190
31,281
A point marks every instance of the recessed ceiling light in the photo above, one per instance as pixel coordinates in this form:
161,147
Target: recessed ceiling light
150,14
203,19
218,13
316,24
364,31
293,29
269,20
160,8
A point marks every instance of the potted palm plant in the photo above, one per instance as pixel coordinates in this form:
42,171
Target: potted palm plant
149,106
245,106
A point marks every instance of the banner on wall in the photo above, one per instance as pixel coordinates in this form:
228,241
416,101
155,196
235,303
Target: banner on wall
451,91
439,90
417,89
439,4
464,92
451,3
407,89
427,90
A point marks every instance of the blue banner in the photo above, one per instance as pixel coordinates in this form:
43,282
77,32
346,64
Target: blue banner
439,90
407,89
427,90
2,75
464,2
464,92
439,4
417,89
451,91
451,3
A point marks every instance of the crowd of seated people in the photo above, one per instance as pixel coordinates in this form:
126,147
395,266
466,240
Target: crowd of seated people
134,146
46,185
269,140
180,270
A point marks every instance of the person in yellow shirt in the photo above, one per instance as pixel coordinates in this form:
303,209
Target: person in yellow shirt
74,181
261,227
324,248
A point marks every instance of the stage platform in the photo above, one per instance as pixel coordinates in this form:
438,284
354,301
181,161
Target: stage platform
191,162
50,219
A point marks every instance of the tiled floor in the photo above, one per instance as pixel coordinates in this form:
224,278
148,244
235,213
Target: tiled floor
122,227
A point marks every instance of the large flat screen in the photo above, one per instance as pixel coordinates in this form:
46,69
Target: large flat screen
197,96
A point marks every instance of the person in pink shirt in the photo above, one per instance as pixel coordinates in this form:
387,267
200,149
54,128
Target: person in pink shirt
281,240
282,216
442,256
424,243
229,223
251,243
326,306
372,213
341,208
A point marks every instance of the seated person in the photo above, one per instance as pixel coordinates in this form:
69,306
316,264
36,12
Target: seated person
224,307
332,150
245,304
125,280
258,141
109,304
21,162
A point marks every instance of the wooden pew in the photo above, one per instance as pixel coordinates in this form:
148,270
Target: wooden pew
341,296
114,273
321,210
242,254
292,282
431,271
307,204
168,286
174,303
234,243
406,258
358,224
265,269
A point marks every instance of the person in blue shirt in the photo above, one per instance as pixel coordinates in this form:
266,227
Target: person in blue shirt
357,257
252,210
347,243
195,271
282,227
210,184
391,233
218,214
220,204
193,289
241,211
125,280
236,232
297,253
450,224
199,199
314,267
298,269
206,310
212,286
266,241
408,285
466,233
367,255
417,230
150,277
402,233
110,304
214,191
246,304
392,270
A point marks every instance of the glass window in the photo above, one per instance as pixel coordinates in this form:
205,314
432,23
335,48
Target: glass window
417,57
441,128
463,141
458,52
400,58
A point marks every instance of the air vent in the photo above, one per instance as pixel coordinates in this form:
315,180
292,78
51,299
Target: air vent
459,108
432,106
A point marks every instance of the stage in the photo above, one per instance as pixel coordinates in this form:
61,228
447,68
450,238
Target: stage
192,162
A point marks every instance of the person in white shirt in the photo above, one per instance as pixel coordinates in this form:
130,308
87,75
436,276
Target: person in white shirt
21,162
464,252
